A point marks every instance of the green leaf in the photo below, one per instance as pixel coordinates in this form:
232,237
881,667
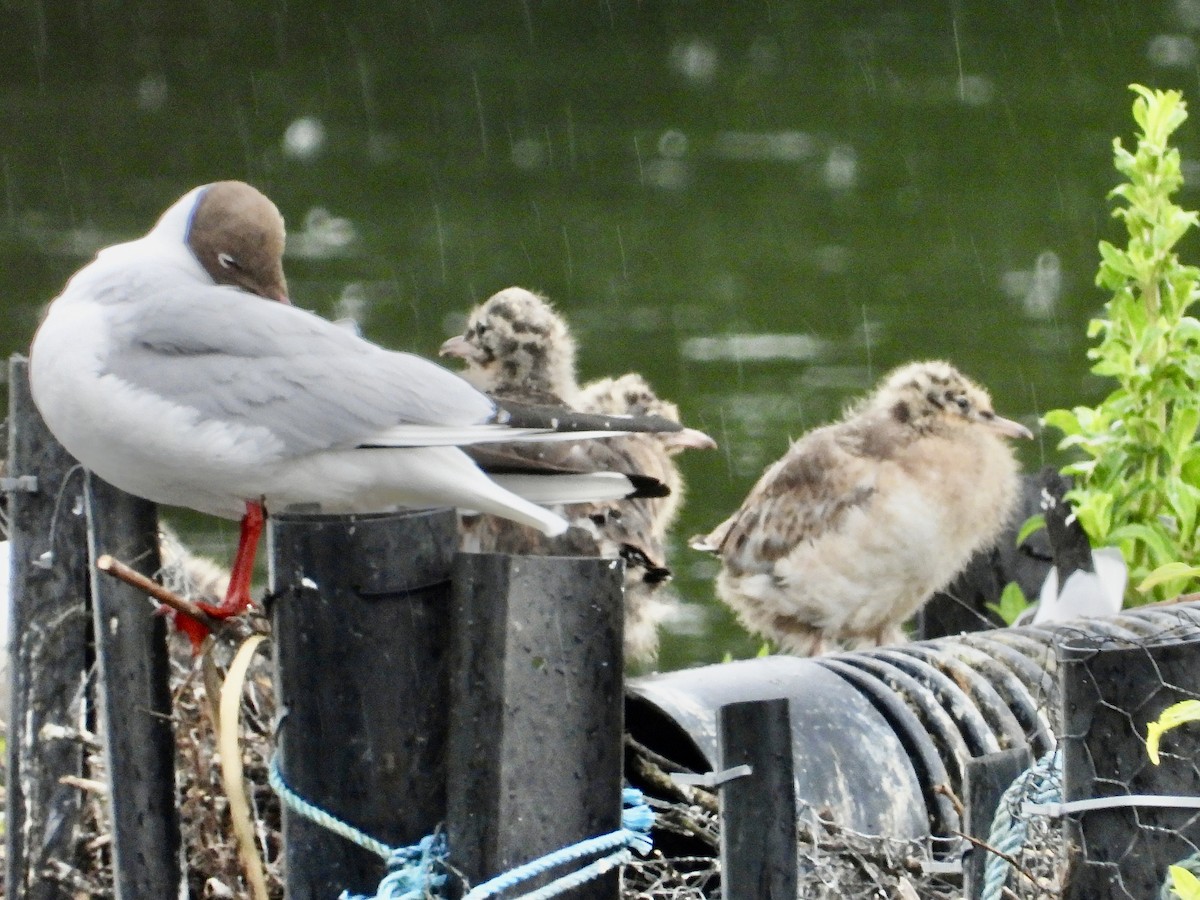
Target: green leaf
1153,536
1031,525
1168,572
1012,603
1182,432
1184,501
1172,717
1184,884
1114,264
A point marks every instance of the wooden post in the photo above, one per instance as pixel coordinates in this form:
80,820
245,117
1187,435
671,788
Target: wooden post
535,754
361,624
1109,697
988,777
134,697
758,810
49,631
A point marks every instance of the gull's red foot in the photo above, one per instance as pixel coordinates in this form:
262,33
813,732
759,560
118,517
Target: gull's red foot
237,597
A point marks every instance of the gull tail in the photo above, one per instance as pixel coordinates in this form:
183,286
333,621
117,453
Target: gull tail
550,483
577,487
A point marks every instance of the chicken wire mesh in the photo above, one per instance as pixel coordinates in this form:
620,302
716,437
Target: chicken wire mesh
1116,677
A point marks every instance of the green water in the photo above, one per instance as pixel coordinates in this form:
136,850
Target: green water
761,206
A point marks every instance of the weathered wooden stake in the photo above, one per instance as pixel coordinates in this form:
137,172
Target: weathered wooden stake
134,697
535,755
758,811
361,624
49,658
988,777
1109,697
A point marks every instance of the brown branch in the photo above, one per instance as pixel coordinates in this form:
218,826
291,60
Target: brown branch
1011,860
119,570
946,791
686,793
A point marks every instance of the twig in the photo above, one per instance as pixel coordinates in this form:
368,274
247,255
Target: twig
1011,860
945,791
119,570
663,782
667,765
84,784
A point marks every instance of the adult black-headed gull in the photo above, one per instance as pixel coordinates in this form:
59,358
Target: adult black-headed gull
174,367
517,346
861,521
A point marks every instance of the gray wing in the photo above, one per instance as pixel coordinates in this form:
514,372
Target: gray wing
243,360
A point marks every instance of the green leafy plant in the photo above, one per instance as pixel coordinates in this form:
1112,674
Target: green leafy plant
1138,475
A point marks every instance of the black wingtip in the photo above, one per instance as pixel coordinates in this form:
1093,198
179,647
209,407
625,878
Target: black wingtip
561,418
646,486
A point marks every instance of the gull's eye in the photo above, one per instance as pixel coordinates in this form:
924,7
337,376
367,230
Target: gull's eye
963,403
227,261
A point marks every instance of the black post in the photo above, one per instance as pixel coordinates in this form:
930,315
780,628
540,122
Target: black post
134,697
758,810
1109,697
49,658
988,777
535,753
361,620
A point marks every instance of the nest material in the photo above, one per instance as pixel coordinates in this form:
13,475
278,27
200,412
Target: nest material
214,868
834,862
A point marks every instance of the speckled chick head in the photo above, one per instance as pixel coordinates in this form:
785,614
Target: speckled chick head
631,395
627,395
933,398
515,343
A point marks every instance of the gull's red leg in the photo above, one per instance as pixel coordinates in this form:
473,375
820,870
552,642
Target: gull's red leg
237,597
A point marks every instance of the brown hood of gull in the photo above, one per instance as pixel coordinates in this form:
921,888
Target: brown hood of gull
237,234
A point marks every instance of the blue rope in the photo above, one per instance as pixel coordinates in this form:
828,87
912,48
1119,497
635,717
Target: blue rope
414,873
1040,783
316,814
411,872
634,834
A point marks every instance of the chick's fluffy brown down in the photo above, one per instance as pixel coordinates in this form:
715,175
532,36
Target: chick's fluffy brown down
861,521
516,346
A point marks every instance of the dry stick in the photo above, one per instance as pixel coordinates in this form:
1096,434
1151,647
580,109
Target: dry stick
118,569
1008,858
946,791
662,781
